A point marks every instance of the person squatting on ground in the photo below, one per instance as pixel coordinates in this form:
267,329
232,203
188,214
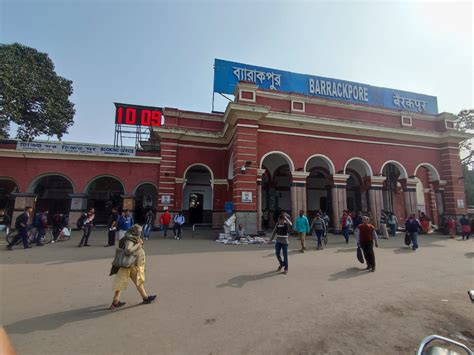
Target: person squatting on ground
412,227
132,243
301,227
178,221
281,231
124,223
319,229
112,227
465,227
86,223
149,223
60,221
383,224
346,222
21,223
366,238
165,220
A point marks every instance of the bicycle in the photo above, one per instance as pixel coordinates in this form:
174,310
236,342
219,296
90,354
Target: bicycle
47,238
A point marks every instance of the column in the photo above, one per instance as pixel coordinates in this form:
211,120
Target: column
409,192
78,205
339,198
376,198
219,193
298,192
260,173
454,193
433,205
22,200
170,191
439,192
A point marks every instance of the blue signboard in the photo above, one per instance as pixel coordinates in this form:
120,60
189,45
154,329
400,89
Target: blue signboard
228,74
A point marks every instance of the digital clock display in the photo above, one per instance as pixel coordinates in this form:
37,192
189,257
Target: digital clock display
136,115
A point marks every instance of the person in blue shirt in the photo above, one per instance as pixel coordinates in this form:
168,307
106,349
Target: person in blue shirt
178,221
301,226
125,222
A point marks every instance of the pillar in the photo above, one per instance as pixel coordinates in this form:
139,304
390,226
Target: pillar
298,192
339,198
376,198
439,193
22,200
409,192
219,193
260,173
78,205
169,191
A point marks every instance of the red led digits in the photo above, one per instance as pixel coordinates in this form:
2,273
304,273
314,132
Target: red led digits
130,116
146,118
119,115
138,115
156,118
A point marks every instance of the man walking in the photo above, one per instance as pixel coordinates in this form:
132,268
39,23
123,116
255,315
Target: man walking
281,231
178,221
87,222
301,227
21,224
125,222
413,226
383,224
42,227
149,223
318,226
346,223
112,227
366,239
165,220
465,227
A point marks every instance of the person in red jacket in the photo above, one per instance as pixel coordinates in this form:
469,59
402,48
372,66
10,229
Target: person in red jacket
365,239
165,220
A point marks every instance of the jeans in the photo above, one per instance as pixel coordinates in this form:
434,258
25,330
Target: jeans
368,250
146,231
393,230
278,248
414,239
40,235
345,233
177,226
85,236
164,227
319,235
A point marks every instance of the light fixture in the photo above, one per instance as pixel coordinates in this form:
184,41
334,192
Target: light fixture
243,169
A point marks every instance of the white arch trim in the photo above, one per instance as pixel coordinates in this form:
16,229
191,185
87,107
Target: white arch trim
332,169
144,183
365,163
434,172
285,156
401,168
88,185
34,182
202,164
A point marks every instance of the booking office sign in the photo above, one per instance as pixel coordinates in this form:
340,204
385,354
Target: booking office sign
228,74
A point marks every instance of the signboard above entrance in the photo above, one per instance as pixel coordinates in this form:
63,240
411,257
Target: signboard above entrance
228,74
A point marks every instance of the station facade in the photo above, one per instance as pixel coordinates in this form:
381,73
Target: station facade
269,150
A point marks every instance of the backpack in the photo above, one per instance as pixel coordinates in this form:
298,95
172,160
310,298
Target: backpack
18,221
80,221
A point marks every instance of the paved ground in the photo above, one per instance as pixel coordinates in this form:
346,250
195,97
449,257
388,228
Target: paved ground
218,299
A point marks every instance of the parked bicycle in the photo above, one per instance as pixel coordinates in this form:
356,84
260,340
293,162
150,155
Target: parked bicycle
47,238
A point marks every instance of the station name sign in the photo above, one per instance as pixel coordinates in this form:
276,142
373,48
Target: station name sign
228,74
75,148
136,115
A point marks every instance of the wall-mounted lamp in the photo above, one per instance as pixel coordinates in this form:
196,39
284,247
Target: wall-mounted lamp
243,169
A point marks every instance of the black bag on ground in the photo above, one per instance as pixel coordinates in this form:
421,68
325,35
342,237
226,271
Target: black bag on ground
407,238
360,257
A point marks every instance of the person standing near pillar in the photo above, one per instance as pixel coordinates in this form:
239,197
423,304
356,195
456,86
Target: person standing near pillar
346,222
383,224
165,220
281,231
87,225
21,223
112,227
465,227
392,222
365,240
413,226
301,227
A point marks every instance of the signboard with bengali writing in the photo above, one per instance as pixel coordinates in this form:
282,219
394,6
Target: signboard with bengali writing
75,148
228,74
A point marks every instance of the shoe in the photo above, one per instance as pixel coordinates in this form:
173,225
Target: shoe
9,247
372,270
117,305
302,250
53,241
79,245
149,299
414,249
368,268
87,245
279,268
285,272
28,247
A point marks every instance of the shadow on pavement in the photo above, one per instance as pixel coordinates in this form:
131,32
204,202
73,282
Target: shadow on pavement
57,320
348,274
240,281
403,250
348,250
469,255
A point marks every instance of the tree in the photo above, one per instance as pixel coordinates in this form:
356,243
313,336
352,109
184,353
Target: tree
32,95
465,123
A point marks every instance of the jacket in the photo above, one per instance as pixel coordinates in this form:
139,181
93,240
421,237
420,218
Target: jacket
412,225
301,224
165,218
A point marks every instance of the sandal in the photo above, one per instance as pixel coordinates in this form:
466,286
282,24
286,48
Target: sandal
116,305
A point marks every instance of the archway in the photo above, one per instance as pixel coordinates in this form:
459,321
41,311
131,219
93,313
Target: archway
318,185
357,192
392,191
7,201
104,193
427,176
197,194
52,194
276,183
145,200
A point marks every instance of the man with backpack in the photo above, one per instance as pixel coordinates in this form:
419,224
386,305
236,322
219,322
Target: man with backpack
21,223
412,227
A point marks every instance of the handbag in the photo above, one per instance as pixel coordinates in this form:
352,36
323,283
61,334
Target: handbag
121,259
407,238
66,232
360,257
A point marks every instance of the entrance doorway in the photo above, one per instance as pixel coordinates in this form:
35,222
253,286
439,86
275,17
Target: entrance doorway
197,195
196,211
104,193
53,194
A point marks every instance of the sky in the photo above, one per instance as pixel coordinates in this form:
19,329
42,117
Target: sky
161,53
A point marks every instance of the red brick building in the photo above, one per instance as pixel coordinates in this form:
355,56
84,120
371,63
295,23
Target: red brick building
268,150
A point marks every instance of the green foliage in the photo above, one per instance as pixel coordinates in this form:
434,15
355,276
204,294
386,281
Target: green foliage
469,185
32,95
465,123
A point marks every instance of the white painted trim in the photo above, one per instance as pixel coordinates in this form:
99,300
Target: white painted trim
348,139
247,100
332,169
446,125
246,125
197,164
34,182
401,168
293,109
286,156
367,165
402,117
432,170
167,182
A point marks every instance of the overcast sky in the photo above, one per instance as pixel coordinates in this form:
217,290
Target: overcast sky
161,53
